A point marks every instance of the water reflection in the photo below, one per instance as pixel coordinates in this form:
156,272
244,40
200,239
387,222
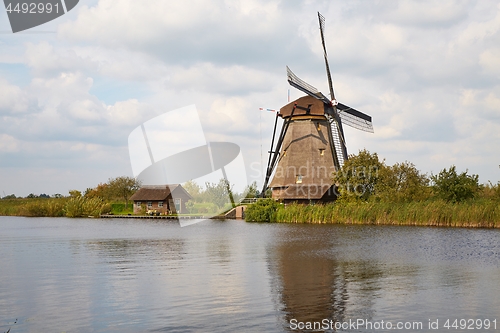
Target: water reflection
139,276
314,280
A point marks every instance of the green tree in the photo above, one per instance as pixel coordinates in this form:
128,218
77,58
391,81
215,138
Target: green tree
102,191
402,182
75,193
358,177
252,191
454,187
193,189
218,193
262,211
123,187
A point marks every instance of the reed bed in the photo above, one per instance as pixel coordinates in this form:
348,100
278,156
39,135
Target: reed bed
479,213
54,207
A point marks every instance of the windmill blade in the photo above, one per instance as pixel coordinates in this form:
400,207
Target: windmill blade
302,85
328,74
355,118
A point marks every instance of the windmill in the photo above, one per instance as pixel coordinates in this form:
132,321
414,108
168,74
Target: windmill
311,144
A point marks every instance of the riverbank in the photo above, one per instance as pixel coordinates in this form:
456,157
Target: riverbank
476,213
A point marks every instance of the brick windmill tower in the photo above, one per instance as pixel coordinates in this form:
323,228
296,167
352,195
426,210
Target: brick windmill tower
311,144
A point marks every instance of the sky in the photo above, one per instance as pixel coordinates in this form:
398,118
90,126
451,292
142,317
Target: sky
73,89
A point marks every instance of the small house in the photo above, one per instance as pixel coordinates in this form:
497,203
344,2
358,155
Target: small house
169,199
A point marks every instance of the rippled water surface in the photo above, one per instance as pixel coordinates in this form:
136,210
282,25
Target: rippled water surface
127,275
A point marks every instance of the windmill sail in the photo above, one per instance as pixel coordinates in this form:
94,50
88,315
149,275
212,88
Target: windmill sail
328,74
355,118
302,85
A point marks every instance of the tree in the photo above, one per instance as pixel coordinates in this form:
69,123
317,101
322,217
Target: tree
402,182
75,194
193,189
219,193
123,187
251,191
358,177
102,191
454,187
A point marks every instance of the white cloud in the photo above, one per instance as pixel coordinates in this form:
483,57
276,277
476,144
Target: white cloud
13,99
490,61
8,143
426,72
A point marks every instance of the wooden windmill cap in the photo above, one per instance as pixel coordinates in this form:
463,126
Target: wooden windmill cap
315,106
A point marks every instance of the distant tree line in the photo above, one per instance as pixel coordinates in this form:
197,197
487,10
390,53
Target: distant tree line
215,197
366,177
93,202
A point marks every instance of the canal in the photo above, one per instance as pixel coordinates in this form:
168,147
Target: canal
128,275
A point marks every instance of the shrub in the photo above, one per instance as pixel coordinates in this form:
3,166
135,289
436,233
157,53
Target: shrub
454,187
358,177
83,207
262,211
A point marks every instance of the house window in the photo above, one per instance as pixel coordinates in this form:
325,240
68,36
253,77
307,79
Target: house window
150,204
160,204
138,204
321,152
298,179
177,202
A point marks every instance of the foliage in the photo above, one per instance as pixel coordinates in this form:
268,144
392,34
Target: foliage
481,213
252,191
490,191
83,207
10,196
33,207
75,193
454,187
100,191
123,187
401,182
217,193
202,207
359,176
193,189
262,211
120,188
120,208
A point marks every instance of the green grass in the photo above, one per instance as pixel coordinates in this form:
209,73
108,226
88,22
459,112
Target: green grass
473,213
33,207
118,208
53,207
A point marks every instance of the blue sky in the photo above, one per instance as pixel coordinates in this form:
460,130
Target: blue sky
73,89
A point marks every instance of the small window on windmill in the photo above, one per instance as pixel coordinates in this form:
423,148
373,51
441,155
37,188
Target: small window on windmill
284,153
317,126
321,152
298,179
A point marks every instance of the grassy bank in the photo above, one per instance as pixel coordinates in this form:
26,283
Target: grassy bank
474,213
53,207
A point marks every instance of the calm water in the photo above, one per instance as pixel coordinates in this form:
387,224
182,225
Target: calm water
125,275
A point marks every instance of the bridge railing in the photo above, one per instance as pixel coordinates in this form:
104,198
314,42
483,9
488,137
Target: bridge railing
248,201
